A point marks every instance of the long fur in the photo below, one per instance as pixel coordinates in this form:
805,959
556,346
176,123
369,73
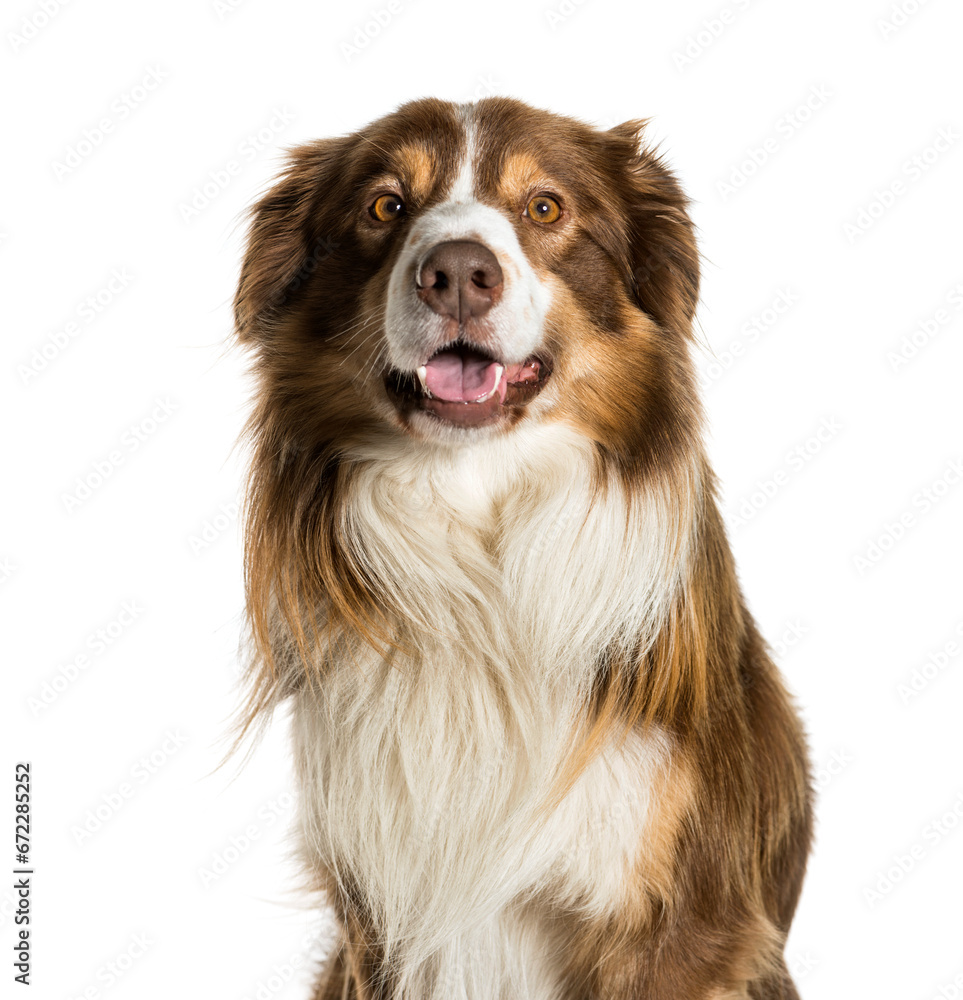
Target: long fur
542,751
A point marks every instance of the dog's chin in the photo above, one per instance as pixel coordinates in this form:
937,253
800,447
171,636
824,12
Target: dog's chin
463,391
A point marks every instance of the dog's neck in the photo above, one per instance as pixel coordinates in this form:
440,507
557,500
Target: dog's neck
520,543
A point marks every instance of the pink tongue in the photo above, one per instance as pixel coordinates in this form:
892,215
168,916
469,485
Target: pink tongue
461,377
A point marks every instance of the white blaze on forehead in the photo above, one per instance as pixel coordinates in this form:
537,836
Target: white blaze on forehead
463,188
515,324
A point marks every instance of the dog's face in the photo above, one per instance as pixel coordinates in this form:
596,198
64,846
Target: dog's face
451,272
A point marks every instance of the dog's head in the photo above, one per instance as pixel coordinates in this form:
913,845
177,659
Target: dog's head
452,272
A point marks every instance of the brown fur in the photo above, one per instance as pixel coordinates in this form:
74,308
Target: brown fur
720,868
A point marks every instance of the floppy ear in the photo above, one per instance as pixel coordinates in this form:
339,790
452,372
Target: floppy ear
663,255
282,244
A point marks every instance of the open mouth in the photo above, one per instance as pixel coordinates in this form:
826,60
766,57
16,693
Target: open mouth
463,384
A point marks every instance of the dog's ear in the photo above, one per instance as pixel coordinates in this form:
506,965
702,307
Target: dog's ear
663,255
284,243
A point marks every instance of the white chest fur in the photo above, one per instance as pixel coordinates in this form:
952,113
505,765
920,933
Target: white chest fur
425,781
444,831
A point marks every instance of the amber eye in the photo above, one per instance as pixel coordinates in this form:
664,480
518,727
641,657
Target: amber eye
387,208
544,208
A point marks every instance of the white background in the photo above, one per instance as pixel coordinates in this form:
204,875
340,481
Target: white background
835,452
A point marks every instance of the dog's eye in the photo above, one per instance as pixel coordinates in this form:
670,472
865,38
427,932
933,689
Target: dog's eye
544,208
387,208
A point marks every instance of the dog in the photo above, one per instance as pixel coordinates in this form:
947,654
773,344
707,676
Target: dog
540,746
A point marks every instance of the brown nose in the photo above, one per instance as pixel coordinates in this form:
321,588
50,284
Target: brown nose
461,278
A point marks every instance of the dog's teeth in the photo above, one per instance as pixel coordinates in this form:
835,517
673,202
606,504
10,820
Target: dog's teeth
499,371
423,379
